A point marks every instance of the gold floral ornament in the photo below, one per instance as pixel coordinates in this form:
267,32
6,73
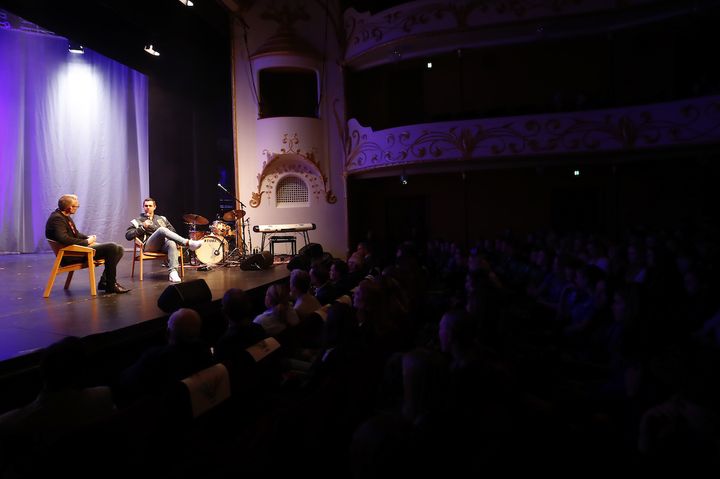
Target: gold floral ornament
291,160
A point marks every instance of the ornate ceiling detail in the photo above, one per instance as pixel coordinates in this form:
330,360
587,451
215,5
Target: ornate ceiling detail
8,21
291,160
687,122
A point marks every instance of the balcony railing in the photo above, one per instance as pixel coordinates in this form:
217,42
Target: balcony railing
682,123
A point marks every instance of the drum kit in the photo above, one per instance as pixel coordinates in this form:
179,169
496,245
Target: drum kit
215,249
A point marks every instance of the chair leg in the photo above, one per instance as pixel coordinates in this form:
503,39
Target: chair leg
182,263
69,279
141,266
53,274
91,273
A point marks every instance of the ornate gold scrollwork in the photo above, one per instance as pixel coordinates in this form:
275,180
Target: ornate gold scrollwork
291,159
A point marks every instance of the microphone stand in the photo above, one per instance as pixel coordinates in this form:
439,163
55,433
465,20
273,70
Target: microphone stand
241,252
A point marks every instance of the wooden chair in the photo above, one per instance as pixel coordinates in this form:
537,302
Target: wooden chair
140,255
74,251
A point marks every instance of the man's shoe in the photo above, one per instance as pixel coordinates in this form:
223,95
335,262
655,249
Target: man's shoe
174,277
194,244
116,288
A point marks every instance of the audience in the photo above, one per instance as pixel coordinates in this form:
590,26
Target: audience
561,349
279,314
241,332
184,353
64,406
305,303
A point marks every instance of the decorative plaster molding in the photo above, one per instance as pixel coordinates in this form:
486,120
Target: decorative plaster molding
291,160
681,123
365,32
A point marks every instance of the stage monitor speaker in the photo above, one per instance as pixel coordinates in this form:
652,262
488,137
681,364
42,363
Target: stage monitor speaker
257,261
184,295
299,261
311,250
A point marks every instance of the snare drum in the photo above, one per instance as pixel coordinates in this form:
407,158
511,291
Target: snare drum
213,249
218,228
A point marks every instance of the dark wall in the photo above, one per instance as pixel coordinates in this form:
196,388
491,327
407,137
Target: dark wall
190,134
608,199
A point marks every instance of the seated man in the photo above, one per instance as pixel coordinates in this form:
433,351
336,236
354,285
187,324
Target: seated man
157,234
61,228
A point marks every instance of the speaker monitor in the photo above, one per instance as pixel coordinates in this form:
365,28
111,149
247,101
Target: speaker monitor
183,295
257,262
312,250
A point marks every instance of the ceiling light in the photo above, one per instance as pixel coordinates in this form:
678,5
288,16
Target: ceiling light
187,3
74,47
151,50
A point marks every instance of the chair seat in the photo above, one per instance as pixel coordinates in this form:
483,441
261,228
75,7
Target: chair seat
140,256
72,251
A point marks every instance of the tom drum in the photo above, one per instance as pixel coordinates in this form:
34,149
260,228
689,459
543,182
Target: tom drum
218,228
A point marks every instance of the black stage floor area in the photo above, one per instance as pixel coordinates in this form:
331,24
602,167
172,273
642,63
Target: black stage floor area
29,322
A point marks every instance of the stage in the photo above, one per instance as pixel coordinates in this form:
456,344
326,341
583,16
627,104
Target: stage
29,322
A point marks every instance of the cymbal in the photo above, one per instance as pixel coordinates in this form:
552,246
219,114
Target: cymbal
233,215
194,219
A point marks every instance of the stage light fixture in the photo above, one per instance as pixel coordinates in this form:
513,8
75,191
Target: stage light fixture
576,172
429,65
187,3
151,50
74,47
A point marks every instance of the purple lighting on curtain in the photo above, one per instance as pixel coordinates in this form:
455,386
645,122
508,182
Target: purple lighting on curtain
68,124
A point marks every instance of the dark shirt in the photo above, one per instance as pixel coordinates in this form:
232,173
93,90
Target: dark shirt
326,293
159,367
238,337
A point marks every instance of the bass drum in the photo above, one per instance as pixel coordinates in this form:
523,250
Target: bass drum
213,249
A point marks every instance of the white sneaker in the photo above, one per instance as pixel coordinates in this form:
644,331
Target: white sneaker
174,277
194,244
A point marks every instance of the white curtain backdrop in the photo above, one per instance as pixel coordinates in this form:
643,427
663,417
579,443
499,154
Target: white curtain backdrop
68,124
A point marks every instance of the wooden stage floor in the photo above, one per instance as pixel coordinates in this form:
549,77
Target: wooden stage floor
29,322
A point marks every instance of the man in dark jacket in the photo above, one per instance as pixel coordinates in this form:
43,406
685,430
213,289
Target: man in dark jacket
61,228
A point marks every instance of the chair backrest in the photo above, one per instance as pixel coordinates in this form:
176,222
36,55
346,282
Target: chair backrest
208,388
56,247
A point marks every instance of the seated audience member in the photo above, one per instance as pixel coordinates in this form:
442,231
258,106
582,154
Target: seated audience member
280,315
184,354
305,303
63,407
324,290
340,277
241,332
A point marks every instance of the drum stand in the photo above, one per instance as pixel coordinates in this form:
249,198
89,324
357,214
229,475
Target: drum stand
192,257
239,253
